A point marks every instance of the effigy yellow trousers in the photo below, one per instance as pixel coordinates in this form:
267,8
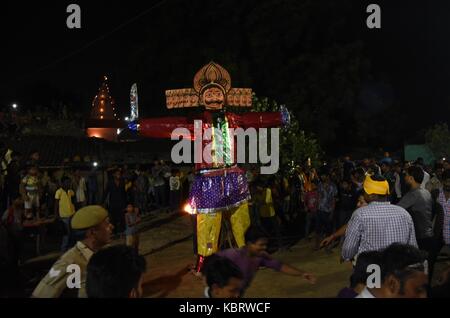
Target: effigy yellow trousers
209,225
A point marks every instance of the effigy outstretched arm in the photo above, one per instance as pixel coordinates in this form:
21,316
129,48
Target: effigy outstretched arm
263,119
164,126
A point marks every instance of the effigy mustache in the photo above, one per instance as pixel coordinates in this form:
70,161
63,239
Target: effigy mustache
215,101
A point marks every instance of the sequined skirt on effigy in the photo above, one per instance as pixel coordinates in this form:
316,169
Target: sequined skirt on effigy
217,191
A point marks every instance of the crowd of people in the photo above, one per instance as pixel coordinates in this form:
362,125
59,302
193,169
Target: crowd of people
394,213
385,212
326,197
34,198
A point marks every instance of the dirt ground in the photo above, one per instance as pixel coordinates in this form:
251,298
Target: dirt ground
167,247
168,251
167,274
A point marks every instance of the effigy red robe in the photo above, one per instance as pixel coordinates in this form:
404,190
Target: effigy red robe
218,185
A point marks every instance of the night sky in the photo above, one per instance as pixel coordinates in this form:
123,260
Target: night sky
43,60
45,57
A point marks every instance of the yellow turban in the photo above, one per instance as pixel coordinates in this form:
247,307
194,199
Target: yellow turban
376,187
88,217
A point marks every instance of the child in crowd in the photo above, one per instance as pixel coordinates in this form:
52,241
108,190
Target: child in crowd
30,190
175,190
132,219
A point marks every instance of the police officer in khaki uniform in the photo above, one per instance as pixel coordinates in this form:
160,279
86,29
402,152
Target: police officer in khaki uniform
61,280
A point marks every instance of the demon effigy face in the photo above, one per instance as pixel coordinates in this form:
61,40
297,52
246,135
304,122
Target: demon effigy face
213,98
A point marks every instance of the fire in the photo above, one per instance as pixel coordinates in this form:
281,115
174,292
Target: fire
188,209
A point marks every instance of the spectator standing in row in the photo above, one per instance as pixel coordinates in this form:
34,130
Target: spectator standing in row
296,189
80,189
426,176
65,209
434,185
158,184
444,201
311,207
30,191
34,158
389,175
348,167
141,191
115,197
285,195
52,187
175,190
267,213
13,177
379,224
417,201
132,219
358,176
347,203
327,205
399,180
166,173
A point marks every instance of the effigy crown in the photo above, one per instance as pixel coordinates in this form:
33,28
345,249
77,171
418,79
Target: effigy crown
211,89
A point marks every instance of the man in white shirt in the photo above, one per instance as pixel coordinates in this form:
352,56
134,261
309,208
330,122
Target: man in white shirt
426,179
426,176
398,181
80,190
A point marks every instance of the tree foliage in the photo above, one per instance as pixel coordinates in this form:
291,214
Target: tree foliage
438,139
295,145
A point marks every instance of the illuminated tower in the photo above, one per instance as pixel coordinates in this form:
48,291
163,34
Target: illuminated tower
103,121
103,106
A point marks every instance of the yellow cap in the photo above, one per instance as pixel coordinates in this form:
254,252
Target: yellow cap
375,187
88,217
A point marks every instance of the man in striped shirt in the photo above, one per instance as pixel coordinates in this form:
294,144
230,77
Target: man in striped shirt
379,224
444,200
